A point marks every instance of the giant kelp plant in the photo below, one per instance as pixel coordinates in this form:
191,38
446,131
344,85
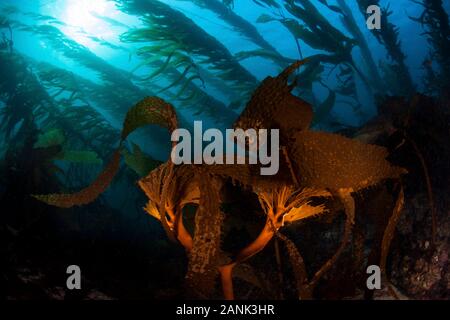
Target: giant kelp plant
345,197
326,164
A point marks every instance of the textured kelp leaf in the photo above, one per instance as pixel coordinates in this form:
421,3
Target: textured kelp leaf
151,110
272,106
326,160
50,138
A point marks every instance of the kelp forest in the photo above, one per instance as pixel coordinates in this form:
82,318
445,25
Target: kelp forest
91,93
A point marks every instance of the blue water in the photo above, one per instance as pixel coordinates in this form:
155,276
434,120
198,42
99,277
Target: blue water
79,20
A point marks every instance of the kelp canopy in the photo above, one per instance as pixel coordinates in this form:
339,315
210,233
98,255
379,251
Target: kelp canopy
166,49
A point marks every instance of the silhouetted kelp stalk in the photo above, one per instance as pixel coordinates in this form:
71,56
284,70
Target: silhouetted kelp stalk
435,22
6,42
397,73
73,134
170,27
313,29
350,23
80,54
189,95
193,97
116,91
34,102
317,164
115,80
54,98
246,29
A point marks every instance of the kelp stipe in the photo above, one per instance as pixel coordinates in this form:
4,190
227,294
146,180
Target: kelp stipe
435,22
397,73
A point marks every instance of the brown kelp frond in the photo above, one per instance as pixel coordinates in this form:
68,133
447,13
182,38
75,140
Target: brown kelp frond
305,287
169,189
87,195
390,229
332,161
182,189
349,205
290,204
151,110
273,106
153,183
206,253
299,268
276,202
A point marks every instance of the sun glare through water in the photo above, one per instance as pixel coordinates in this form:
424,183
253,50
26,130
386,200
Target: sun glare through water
84,20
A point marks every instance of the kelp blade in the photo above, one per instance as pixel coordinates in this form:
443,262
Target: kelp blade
151,110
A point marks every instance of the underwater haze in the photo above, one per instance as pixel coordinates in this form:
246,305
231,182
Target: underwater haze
71,70
92,38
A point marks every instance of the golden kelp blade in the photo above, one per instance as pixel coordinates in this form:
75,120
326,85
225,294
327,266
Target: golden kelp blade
88,194
151,110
